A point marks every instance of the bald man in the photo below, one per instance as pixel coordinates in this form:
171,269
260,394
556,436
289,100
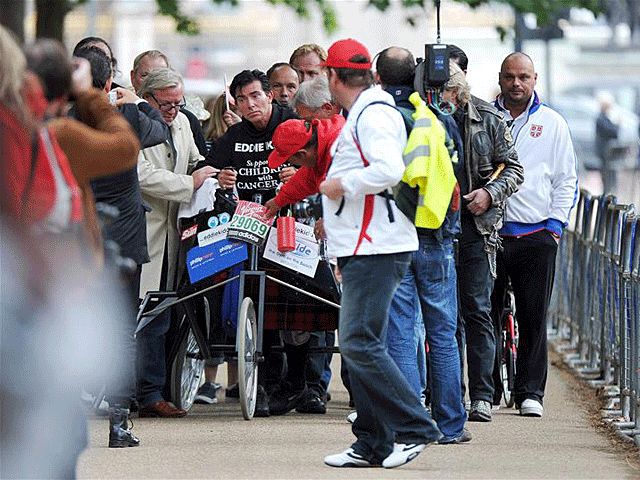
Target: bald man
535,217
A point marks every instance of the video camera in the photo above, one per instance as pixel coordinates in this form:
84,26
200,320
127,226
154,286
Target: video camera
310,207
432,72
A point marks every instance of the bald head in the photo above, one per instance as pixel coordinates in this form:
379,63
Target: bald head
396,66
517,57
517,81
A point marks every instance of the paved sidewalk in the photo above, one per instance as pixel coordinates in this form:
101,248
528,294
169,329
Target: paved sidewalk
215,442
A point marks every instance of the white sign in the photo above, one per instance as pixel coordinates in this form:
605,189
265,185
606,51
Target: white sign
306,256
212,235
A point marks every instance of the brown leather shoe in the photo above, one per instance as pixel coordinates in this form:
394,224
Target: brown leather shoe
161,409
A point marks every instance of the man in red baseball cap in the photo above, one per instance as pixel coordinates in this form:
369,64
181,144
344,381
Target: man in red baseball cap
306,145
373,242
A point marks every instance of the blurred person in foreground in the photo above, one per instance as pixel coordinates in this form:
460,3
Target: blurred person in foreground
373,252
533,222
57,307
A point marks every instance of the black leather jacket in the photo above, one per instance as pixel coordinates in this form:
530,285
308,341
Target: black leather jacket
487,144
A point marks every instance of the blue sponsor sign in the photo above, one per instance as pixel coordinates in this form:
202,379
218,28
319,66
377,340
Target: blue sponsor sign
203,262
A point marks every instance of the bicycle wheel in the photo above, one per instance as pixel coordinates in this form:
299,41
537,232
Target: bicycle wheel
508,366
507,374
247,365
186,371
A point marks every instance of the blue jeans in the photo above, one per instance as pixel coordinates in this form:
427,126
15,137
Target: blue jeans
431,280
402,335
388,408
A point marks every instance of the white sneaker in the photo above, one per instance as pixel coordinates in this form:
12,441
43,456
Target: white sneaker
348,458
403,453
352,417
531,408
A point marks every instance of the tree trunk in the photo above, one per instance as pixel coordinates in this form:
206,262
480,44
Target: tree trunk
13,18
51,15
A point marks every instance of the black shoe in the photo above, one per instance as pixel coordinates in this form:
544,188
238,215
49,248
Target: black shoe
285,399
311,403
262,403
232,392
119,434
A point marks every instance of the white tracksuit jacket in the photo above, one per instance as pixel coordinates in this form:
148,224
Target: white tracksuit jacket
363,226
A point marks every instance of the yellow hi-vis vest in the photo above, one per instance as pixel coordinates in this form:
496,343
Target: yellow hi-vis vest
428,166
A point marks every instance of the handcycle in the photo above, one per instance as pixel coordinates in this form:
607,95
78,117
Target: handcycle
220,264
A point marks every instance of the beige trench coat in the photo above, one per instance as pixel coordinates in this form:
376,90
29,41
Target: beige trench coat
165,184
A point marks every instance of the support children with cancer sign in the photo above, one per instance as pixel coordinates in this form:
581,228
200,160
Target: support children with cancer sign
250,223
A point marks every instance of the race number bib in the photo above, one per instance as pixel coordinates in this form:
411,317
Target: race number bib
250,223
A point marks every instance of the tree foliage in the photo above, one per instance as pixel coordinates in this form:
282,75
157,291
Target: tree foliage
51,13
544,10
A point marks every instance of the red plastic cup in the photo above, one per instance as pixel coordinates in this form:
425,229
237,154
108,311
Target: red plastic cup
286,229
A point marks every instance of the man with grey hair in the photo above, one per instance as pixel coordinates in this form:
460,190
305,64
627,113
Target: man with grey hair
313,100
163,171
491,174
151,60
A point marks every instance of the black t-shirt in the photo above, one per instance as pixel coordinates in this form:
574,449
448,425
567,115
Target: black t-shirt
247,150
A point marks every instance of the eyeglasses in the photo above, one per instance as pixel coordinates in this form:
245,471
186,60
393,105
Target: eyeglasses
167,107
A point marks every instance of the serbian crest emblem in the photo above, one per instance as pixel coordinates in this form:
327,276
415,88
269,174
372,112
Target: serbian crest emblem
536,130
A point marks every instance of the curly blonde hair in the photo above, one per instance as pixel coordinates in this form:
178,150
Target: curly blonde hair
458,83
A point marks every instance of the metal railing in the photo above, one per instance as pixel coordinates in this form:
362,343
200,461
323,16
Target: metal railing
594,312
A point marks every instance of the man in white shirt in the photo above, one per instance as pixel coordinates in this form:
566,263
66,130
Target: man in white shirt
534,219
373,242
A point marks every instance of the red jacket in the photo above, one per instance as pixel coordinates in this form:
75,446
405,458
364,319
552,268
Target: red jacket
306,180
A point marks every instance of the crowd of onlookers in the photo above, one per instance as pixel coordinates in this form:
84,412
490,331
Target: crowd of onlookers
416,296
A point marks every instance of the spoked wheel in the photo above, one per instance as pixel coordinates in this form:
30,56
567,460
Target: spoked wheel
507,375
186,371
247,362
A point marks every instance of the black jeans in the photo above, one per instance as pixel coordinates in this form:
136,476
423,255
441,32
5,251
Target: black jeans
529,262
475,284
